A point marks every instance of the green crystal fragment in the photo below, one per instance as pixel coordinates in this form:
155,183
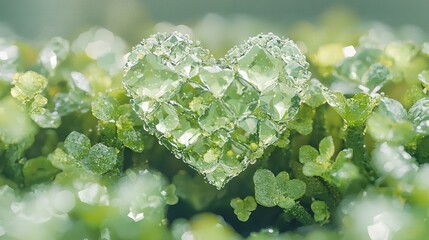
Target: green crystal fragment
232,155
241,98
104,108
259,68
101,158
151,79
215,117
79,81
376,76
211,112
279,101
268,133
390,123
53,53
419,115
77,145
73,101
216,79
185,135
424,78
352,69
9,59
165,118
193,98
27,86
47,119
394,161
246,131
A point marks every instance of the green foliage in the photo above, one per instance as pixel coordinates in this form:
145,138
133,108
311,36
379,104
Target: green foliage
88,149
340,172
277,190
243,207
77,145
321,211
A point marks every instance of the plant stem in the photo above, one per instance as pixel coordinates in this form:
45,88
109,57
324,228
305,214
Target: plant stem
355,139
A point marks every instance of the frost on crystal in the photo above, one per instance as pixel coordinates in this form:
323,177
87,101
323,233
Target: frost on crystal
217,115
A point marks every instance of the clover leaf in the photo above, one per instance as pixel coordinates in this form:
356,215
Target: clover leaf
319,163
277,190
243,207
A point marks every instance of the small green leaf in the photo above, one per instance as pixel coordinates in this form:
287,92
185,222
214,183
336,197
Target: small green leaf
327,147
321,211
101,158
130,137
249,203
60,159
354,110
293,188
286,203
266,191
171,197
307,154
104,108
27,86
38,170
303,121
77,145
243,208
314,96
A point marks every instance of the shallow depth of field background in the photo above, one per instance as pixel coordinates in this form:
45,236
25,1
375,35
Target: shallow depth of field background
227,20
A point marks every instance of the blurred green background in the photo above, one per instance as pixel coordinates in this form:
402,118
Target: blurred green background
134,19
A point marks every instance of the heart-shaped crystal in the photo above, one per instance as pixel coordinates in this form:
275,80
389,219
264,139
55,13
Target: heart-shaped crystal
216,115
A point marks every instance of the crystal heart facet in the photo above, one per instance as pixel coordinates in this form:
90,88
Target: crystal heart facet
216,115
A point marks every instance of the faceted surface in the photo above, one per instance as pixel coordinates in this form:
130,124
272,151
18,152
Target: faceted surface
217,115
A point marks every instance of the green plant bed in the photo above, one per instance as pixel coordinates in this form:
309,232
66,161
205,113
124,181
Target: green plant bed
271,141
